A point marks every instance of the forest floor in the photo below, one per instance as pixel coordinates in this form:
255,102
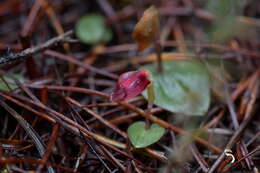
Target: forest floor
57,76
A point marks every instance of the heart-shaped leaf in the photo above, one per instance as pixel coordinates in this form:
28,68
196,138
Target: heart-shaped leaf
183,87
141,137
91,29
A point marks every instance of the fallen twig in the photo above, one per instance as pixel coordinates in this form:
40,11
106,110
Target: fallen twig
12,57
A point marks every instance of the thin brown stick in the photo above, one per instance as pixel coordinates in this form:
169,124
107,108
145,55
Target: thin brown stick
12,57
112,158
105,122
68,88
12,160
203,164
40,114
243,158
79,63
50,145
141,112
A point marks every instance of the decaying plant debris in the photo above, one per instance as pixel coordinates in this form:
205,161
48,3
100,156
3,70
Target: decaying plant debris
57,115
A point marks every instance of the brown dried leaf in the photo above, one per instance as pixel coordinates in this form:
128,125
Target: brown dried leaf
147,29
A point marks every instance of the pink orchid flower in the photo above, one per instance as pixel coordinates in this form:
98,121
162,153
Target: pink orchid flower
130,84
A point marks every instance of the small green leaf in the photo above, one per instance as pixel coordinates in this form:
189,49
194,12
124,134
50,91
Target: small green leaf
141,137
91,29
183,87
10,82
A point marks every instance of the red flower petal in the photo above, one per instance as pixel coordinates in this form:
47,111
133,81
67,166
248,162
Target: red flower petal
130,84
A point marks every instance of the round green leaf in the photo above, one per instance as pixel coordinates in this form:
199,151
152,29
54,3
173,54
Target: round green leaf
91,29
183,87
141,137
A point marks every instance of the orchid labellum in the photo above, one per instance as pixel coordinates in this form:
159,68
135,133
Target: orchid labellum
130,84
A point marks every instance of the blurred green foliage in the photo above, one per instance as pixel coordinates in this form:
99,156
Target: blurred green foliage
224,8
91,29
226,24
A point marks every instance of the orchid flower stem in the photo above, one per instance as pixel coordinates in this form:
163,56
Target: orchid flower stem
150,93
158,50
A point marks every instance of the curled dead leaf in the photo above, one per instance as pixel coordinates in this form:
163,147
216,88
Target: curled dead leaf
146,30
